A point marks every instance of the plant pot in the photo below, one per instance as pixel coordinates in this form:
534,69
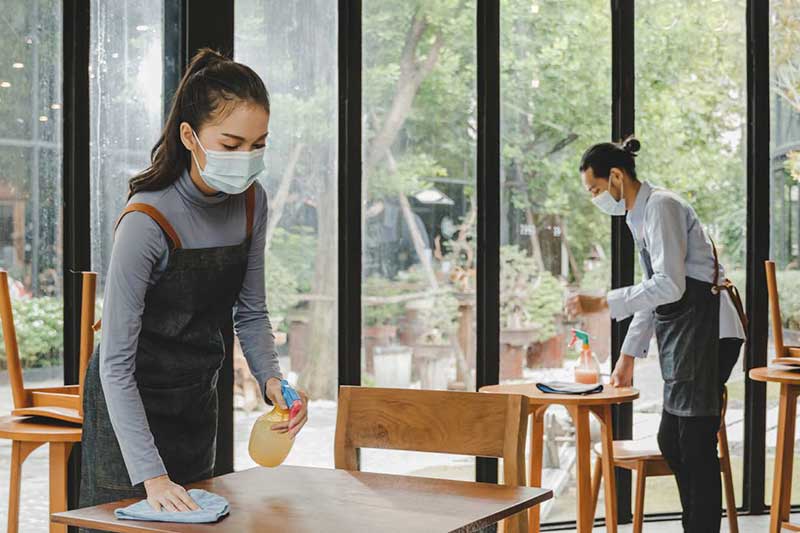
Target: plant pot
374,336
393,366
533,355
434,365
553,352
511,358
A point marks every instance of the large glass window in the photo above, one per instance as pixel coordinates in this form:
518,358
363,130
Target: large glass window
293,47
556,101
419,210
784,196
30,214
691,111
125,87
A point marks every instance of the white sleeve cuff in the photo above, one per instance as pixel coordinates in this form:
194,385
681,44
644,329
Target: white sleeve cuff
617,305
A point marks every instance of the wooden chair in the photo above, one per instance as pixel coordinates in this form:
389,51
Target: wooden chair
26,435
464,423
783,353
644,458
63,402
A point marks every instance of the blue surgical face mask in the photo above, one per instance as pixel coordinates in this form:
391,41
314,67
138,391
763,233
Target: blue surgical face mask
230,172
608,204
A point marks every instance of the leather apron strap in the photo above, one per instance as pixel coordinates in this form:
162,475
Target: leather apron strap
728,286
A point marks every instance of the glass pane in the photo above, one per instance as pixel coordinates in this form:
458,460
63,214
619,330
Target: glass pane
784,197
556,101
293,47
30,215
690,117
420,209
30,180
125,89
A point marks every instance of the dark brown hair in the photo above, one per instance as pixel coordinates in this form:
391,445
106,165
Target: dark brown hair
602,157
211,82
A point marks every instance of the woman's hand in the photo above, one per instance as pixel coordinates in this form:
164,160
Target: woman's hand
162,493
296,423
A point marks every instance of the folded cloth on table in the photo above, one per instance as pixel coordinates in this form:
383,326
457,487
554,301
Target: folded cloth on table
565,387
212,508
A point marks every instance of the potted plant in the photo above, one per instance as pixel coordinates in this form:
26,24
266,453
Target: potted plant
436,348
530,304
380,316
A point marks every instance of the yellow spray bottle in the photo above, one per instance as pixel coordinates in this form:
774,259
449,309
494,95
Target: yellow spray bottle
588,369
267,447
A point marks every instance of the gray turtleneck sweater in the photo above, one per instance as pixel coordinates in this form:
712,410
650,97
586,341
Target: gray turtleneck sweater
138,259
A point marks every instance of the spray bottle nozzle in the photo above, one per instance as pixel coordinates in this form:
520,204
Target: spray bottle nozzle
579,335
291,398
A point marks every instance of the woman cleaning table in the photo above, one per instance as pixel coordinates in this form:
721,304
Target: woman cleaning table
188,254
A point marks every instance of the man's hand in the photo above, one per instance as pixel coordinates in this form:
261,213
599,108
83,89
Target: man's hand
622,376
580,304
297,422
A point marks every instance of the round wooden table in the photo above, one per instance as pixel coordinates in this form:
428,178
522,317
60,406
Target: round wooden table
26,435
789,380
579,408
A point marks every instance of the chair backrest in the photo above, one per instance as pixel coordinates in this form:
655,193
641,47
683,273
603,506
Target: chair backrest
12,349
464,423
88,294
21,396
774,308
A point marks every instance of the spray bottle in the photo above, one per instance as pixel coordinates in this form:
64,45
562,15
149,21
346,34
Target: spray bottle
267,447
587,370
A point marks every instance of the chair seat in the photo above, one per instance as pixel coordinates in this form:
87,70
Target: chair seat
35,430
64,414
634,449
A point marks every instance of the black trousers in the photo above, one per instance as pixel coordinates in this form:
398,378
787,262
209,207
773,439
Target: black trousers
689,445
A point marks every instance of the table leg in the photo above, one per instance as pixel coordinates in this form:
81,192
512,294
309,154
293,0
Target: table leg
583,470
535,460
603,413
59,457
784,455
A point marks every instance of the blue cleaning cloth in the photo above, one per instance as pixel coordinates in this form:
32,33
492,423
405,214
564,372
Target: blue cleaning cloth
565,387
212,508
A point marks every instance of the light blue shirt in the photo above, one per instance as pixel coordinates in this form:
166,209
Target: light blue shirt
667,227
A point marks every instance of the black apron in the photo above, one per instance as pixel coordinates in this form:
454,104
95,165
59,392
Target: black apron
687,332
179,354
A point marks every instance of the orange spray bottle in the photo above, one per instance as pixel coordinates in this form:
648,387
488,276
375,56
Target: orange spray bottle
267,447
588,369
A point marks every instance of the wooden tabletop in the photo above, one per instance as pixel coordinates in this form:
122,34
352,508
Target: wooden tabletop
787,374
29,429
301,499
610,395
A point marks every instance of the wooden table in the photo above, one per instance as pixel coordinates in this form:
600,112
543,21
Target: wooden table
579,408
301,499
789,380
26,435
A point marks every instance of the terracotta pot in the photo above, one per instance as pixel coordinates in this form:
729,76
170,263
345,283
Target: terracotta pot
533,354
553,352
511,359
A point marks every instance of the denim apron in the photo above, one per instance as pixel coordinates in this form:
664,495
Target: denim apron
687,333
180,351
